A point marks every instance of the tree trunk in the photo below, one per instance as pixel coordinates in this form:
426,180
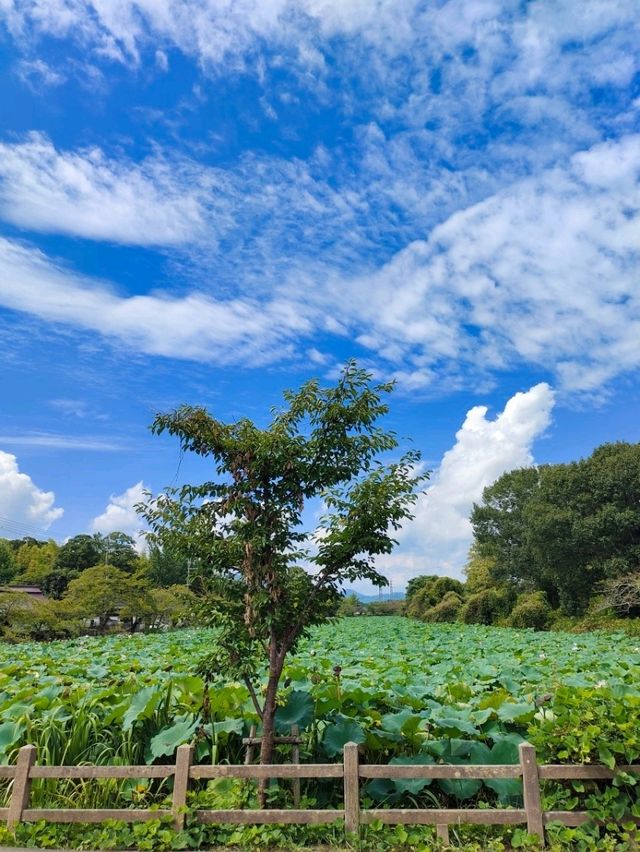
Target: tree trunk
276,662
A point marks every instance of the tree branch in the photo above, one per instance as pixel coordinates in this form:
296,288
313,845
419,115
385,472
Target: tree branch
252,693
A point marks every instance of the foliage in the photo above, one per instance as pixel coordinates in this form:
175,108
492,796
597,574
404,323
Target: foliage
118,549
7,562
34,560
564,529
79,553
487,606
428,592
479,570
406,691
392,607
244,529
531,610
350,605
448,609
166,568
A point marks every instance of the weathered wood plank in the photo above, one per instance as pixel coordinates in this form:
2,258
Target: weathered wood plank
278,770
251,741
7,772
531,790
351,789
21,785
184,756
570,818
90,815
438,771
560,771
442,832
472,816
295,757
253,817
248,758
161,771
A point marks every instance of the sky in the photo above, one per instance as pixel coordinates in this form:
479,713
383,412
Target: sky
210,201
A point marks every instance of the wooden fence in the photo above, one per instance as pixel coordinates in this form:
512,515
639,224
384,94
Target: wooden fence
351,771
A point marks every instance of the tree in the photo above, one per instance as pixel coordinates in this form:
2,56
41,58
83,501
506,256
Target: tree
243,530
104,591
564,529
501,528
7,562
119,550
79,553
166,568
35,561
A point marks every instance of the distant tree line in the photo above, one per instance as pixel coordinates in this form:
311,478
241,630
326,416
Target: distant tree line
88,582
555,545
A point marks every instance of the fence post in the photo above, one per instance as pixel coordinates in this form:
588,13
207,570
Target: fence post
351,789
21,785
442,832
248,758
531,790
184,756
295,757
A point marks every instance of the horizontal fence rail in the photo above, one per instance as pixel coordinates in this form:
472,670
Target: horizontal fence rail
351,771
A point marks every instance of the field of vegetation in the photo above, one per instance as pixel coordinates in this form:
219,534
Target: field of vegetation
404,690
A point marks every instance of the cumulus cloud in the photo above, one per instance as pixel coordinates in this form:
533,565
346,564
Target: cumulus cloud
438,540
24,508
85,194
121,516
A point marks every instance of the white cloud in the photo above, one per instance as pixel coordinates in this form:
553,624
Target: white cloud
195,326
24,508
61,442
121,516
438,539
85,194
544,273
38,75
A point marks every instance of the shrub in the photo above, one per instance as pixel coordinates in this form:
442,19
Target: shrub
531,610
447,610
486,607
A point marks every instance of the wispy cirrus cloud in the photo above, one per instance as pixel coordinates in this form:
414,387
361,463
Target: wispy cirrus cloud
61,442
86,195
196,326
541,273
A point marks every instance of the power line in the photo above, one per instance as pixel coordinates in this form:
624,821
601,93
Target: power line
18,528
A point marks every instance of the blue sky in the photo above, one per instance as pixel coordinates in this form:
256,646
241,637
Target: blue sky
208,201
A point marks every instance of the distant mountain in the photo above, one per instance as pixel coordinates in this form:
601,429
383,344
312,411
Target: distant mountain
386,596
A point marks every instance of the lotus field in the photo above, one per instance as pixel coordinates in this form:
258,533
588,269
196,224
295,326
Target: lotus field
405,691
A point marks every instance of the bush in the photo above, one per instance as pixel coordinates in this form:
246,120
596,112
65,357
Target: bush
531,610
486,607
447,610
429,593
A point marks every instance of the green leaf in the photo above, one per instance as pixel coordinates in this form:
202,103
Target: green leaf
516,712
10,733
142,706
228,726
299,710
411,785
167,741
344,731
